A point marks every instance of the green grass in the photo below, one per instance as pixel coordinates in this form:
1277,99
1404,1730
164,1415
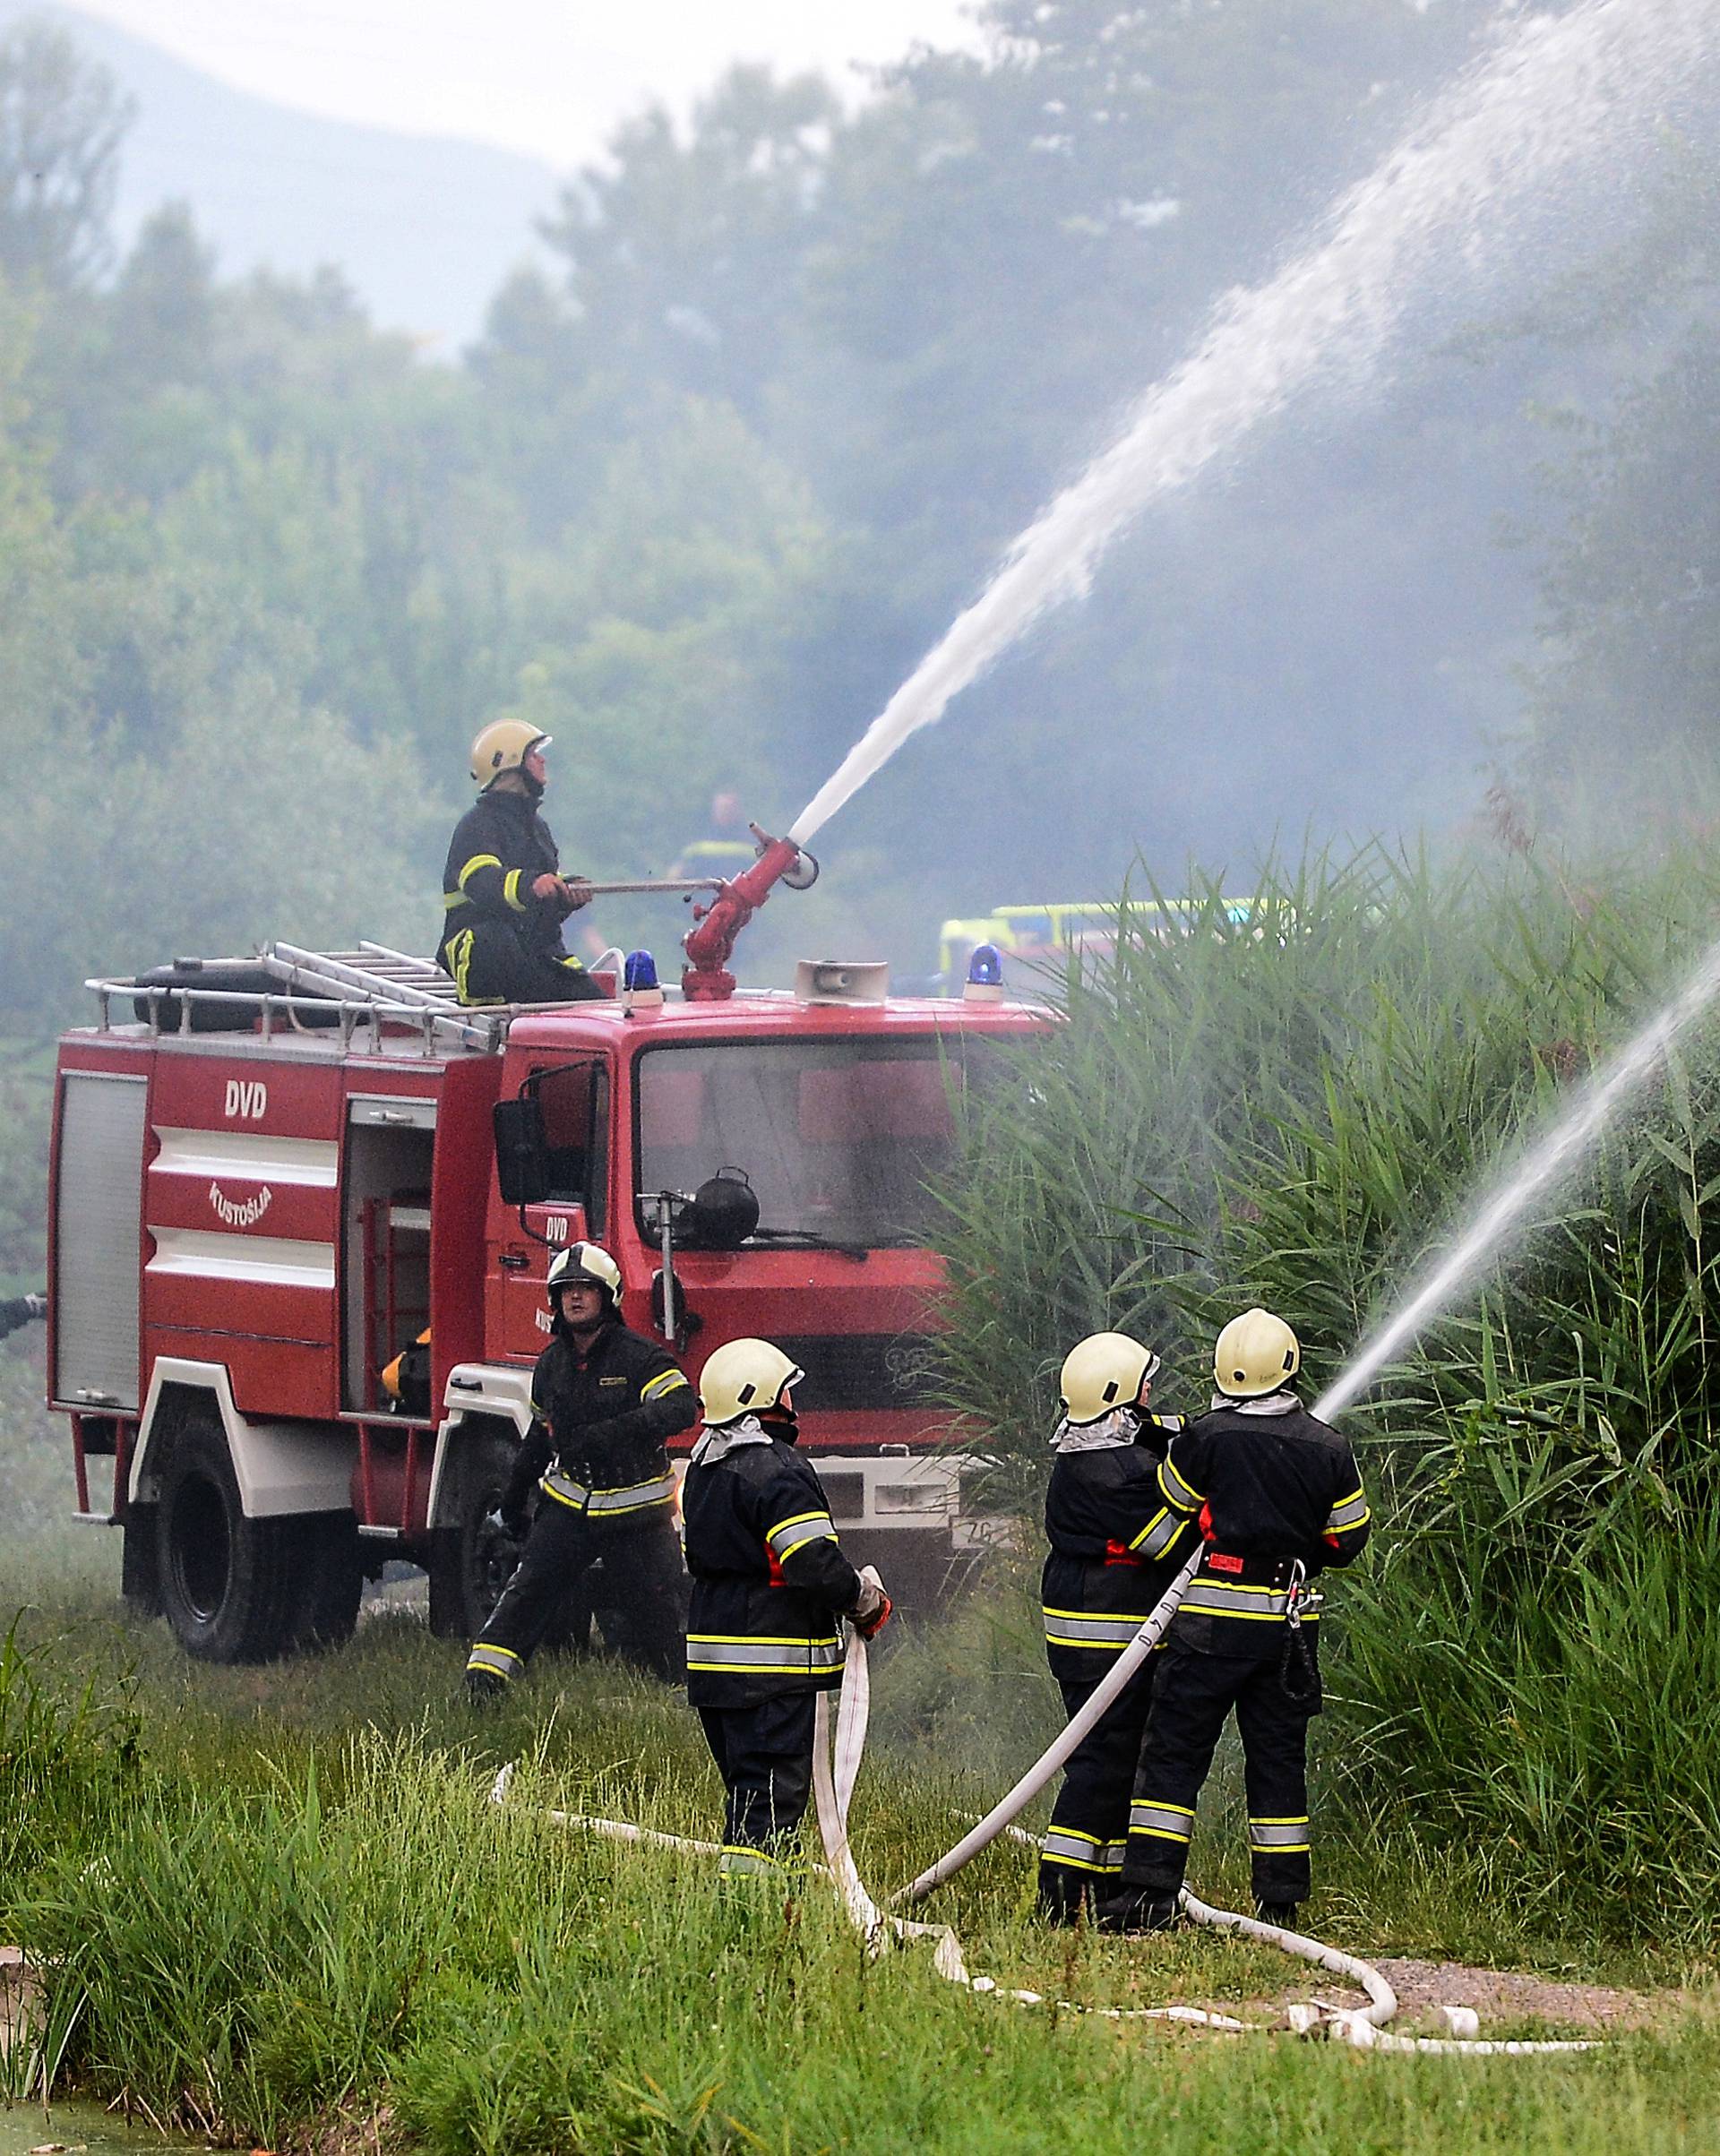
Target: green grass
276,1897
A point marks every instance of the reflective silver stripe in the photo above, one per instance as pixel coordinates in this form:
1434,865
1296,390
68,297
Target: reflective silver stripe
1177,1492
1278,1833
1074,1629
500,1662
1082,1852
738,1861
794,1533
633,1498
765,1657
1159,1532
1165,1822
1351,1513
666,1381
1249,1605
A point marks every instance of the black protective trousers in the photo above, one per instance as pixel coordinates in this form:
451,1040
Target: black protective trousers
1192,1694
764,1754
492,963
643,1594
1082,1858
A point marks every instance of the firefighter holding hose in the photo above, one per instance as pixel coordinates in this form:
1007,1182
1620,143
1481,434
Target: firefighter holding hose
604,1401
503,890
1115,1544
771,1586
1277,1498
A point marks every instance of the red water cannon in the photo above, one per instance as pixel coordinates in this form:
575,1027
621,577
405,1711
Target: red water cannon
711,944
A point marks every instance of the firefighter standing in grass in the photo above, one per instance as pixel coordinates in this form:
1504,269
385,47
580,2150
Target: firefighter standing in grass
604,1400
1277,1498
771,1587
503,890
1116,1545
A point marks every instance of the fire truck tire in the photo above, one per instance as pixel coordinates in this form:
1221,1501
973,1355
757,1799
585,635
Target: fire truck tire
331,1581
228,1584
469,1562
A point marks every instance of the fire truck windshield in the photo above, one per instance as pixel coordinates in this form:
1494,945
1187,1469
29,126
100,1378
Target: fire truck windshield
838,1137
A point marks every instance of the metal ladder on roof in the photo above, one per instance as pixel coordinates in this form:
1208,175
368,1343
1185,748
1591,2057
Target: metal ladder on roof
392,983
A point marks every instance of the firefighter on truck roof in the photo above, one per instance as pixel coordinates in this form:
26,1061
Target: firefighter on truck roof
771,1587
503,890
1277,1498
604,1401
1116,1546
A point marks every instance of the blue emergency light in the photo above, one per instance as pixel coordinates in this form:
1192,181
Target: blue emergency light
640,971
985,967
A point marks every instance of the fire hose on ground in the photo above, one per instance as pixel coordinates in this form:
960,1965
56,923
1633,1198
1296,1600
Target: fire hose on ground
836,1756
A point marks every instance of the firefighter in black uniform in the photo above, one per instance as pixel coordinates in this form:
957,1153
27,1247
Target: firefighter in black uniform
1277,1498
604,1400
20,1311
771,1586
503,890
1116,1545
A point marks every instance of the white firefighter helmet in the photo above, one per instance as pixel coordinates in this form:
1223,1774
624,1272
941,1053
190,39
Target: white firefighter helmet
744,1377
584,1261
1256,1353
1102,1372
504,745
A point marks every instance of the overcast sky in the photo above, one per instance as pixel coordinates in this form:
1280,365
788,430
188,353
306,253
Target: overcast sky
550,77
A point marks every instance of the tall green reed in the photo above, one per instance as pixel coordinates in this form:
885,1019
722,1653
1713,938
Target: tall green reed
1292,1104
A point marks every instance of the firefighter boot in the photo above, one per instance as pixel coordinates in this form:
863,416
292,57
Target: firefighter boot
1281,1913
1065,1897
483,1688
1134,1911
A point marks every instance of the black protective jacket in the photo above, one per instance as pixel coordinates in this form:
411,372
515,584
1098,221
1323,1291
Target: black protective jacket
1116,1546
769,1581
600,1422
1270,1491
500,847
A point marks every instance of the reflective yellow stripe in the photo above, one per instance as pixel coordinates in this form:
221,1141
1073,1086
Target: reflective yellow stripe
1350,1512
1160,1535
510,889
477,862
1176,1490
666,1381
451,899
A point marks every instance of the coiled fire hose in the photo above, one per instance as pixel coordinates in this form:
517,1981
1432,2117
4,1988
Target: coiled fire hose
835,1769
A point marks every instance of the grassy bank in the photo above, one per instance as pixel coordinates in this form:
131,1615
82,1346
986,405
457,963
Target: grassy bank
271,1898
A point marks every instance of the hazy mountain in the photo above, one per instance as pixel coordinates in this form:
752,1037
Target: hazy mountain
425,228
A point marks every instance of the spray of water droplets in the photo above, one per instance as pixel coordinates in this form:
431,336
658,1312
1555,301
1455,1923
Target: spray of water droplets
1557,91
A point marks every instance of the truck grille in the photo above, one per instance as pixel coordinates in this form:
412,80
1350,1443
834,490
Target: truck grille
849,1370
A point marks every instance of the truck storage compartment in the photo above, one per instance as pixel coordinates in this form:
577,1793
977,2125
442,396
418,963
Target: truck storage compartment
98,1208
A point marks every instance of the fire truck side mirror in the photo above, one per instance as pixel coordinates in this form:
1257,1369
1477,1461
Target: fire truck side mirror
521,1152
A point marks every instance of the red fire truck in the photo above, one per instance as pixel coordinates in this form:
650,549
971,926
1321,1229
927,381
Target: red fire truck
269,1176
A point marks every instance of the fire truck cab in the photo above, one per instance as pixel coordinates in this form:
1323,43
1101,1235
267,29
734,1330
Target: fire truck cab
269,1176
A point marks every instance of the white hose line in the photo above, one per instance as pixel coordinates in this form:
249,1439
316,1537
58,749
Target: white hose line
833,1790
833,1786
1036,1776
1382,2000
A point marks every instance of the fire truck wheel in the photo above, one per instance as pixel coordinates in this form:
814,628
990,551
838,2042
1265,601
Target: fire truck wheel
228,1584
470,1559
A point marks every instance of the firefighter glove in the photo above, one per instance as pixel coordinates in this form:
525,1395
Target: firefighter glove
579,892
550,888
871,1613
